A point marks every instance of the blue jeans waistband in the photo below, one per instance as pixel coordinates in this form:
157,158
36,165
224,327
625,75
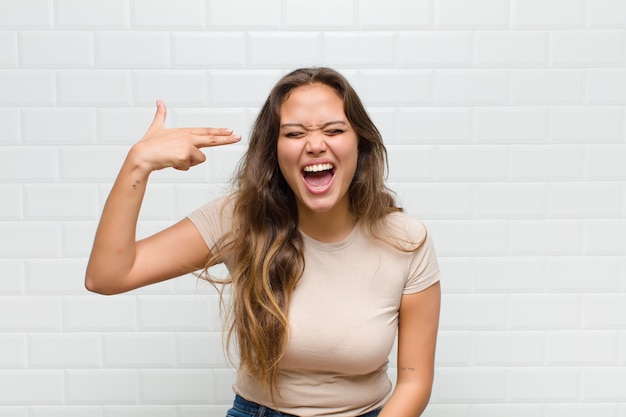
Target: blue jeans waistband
256,410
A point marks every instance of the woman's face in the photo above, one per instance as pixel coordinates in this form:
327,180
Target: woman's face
317,148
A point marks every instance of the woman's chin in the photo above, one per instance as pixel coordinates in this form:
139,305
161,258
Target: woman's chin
318,208
320,204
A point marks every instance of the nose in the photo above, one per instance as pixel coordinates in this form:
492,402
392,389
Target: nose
316,143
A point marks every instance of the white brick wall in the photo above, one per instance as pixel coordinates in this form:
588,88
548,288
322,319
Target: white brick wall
506,128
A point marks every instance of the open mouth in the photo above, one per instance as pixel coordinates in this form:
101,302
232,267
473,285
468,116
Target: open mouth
318,176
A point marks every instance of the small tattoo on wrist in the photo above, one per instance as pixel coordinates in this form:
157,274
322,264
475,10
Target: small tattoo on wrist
136,184
407,369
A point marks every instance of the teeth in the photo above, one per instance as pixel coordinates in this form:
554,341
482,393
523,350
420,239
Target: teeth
318,167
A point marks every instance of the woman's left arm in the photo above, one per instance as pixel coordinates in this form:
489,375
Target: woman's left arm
418,323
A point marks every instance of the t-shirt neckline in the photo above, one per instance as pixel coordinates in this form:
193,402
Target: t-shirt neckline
318,244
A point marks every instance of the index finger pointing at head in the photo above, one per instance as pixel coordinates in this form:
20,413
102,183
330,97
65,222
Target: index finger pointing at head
223,137
210,131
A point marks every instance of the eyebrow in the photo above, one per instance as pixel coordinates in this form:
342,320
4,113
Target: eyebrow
304,127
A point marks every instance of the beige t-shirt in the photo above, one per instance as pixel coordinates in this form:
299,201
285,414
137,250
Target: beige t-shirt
343,316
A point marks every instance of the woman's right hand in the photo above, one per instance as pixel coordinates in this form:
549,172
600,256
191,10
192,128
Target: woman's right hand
118,262
179,148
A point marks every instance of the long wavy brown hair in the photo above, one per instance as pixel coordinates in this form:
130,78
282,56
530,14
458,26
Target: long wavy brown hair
265,241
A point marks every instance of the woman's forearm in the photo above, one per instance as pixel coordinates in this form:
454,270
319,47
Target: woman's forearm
114,245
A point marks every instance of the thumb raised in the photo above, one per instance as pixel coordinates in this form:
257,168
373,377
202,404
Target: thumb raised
159,117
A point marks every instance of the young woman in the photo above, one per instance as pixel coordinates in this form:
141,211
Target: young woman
324,268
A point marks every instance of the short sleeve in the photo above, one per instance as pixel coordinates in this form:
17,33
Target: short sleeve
423,268
213,220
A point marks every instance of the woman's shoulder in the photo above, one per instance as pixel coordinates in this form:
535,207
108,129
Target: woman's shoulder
217,207
213,219
400,230
404,228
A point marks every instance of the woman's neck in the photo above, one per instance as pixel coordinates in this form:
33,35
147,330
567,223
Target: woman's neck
329,226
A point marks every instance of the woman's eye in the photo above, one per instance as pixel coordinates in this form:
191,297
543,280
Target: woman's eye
293,135
334,132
